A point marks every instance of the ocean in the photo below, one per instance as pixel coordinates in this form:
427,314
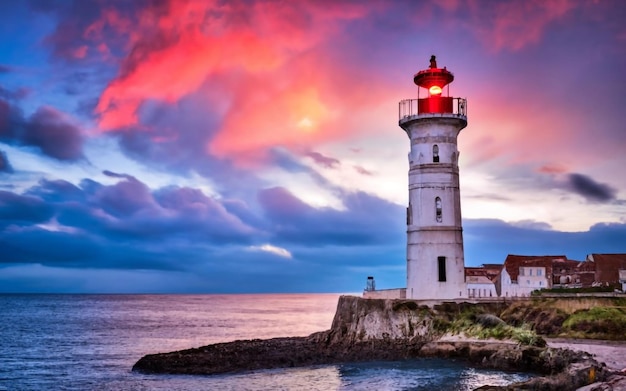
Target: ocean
90,342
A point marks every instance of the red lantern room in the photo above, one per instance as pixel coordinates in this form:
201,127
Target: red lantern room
433,80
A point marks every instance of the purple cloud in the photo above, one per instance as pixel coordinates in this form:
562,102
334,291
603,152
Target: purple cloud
19,210
5,166
10,121
47,129
536,239
363,171
324,161
17,94
591,190
367,220
53,133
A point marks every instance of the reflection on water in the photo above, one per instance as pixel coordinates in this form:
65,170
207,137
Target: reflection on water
90,342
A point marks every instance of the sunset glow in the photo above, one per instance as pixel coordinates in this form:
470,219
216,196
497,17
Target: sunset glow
215,142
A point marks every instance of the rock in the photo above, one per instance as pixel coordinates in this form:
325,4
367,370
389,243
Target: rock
369,330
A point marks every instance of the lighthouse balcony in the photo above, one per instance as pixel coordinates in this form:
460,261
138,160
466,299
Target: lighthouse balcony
432,107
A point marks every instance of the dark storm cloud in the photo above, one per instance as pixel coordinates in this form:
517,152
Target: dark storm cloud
47,129
124,225
5,166
591,190
489,241
21,210
74,17
10,121
57,191
367,220
128,225
177,142
17,94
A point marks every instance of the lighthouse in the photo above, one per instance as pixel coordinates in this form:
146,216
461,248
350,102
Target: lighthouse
433,121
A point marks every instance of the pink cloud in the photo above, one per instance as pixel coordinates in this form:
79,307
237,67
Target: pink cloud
322,160
552,169
176,47
512,25
80,52
363,171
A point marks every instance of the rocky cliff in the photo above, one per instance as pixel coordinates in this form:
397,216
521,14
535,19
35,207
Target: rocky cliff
364,330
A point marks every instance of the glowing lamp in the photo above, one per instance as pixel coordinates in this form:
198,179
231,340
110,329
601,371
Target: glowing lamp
435,90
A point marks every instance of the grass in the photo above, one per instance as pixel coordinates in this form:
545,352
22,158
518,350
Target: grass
486,326
598,323
597,289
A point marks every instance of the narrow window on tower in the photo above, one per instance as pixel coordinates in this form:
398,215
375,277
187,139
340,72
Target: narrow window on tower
438,212
435,153
442,268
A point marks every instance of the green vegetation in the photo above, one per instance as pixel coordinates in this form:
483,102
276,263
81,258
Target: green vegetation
526,320
485,326
598,322
596,289
542,317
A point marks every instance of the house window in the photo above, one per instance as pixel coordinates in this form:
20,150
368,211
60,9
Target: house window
435,153
540,283
527,282
521,271
530,272
438,212
441,261
538,272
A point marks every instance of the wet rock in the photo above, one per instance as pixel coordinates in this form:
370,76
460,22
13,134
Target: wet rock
370,330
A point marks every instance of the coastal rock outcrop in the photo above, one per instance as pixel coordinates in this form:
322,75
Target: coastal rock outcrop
370,329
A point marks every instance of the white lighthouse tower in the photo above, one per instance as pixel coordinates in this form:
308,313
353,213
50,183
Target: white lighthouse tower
435,262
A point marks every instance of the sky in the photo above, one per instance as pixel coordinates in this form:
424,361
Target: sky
182,146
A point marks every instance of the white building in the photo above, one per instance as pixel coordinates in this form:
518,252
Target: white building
479,282
435,261
523,274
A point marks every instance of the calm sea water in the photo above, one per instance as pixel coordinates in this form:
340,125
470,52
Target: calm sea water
90,342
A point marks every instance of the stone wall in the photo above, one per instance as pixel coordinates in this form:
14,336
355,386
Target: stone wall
398,293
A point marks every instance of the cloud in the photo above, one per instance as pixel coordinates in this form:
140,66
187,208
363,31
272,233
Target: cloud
591,190
515,25
490,240
324,161
10,121
261,63
18,209
366,220
5,69
363,171
52,132
5,166
17,94
129,226
281,252
552,169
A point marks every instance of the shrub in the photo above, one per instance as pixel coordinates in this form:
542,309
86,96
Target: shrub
489,320
597,322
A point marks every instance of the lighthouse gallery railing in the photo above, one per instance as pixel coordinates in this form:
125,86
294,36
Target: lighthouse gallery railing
414,107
